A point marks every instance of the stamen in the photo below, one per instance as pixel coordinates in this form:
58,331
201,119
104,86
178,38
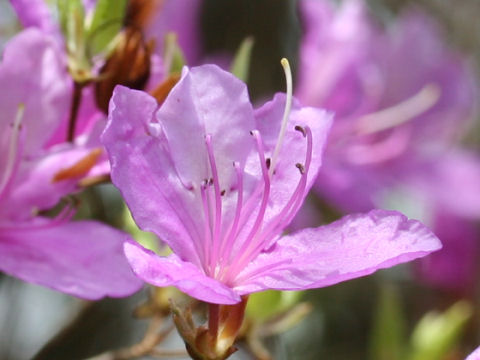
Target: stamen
286,114
13,150
300,129
301,168
218,201
270,267
263,206
65,215
287,213
207,229
400,113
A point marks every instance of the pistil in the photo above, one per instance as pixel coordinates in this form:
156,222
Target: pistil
286,114
216,241
400,113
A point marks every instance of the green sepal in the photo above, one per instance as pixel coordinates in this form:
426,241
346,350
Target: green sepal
72,22
105,24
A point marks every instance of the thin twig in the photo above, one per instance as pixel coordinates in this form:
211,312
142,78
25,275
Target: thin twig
74,107
146,346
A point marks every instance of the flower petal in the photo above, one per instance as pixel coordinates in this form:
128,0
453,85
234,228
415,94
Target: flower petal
172,271
183,18
207,100
34,13
475,355
414,41
454,266
353,246
459,172
83,258
144,173
34,186
294,146
34,69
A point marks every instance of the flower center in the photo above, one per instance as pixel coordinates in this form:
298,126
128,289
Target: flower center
222,257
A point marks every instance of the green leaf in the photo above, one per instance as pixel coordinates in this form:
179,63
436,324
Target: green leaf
241,62
146,239
387,341
436,334
266,304
106,23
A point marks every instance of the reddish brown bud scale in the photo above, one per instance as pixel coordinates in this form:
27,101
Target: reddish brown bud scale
128,65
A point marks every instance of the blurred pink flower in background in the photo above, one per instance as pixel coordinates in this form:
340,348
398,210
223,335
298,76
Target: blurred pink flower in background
83,258
402,100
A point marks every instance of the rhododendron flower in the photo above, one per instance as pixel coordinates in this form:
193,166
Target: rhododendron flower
82,258
219,181
475,355
401,100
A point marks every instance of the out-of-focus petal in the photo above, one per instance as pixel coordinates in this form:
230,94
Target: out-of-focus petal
334,45
353,246
451,182
34,69
416,46
183,18
349,188
36,185
35,13
172,271
455,265
83,258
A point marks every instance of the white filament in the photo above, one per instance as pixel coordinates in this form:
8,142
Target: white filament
286,114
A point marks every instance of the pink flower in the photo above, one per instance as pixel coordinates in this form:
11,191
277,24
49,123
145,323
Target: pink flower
400,97
83,258
402,100
219,181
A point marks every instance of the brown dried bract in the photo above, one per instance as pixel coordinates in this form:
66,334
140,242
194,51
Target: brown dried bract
128,65
139,12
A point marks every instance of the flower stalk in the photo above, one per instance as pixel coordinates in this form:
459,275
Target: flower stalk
214,342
